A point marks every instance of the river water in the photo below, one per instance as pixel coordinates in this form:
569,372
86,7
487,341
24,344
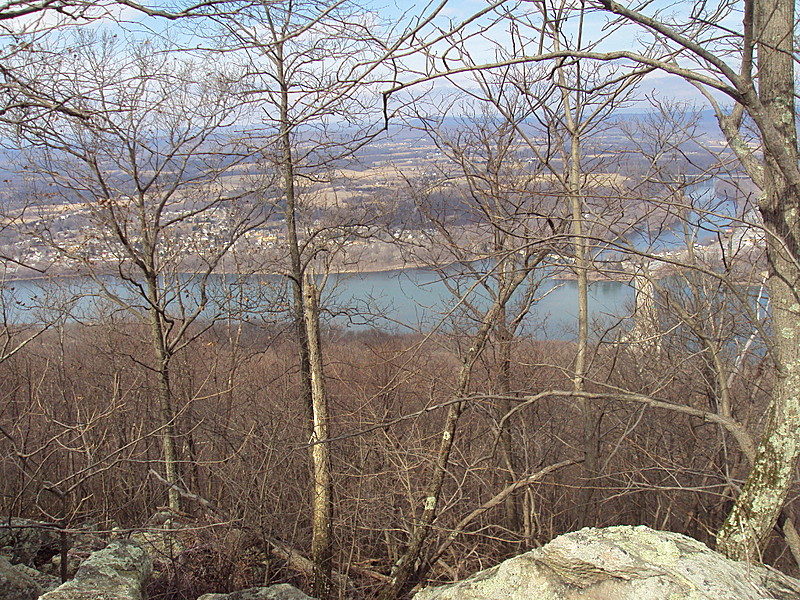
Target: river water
421,300
411,299
401,301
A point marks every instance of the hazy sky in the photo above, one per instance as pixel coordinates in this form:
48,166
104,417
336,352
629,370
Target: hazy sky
483,48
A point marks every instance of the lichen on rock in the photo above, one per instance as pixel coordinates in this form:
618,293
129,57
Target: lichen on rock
32,543
118,572
15,584
621,563
281,591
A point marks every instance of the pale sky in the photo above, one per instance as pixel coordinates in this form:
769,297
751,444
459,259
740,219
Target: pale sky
482,48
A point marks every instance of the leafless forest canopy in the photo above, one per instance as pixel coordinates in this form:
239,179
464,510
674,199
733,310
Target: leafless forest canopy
211,168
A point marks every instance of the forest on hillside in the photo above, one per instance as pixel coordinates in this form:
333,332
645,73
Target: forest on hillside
210,169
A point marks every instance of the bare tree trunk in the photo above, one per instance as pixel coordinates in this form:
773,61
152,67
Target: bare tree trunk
168,437
296,270
165,405
412,566
506,442
322,501
587,511
586,504
757,508
405,572
306,322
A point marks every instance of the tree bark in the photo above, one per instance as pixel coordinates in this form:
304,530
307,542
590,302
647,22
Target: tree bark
165,404
506,442
586,507
322,501
757,508
306,321
586,504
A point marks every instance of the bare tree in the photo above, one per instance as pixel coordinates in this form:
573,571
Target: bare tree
759,77
756,73
25,27
309,66
144,170
491,225
578,106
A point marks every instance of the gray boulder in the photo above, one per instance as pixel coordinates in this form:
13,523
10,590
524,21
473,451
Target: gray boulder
32,543
45,581
281,591
621,563
16,585
118,572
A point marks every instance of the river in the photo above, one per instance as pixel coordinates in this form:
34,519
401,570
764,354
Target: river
412,299
403,300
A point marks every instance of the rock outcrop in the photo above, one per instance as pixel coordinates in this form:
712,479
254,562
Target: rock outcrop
32,543
45,581
282,591
621,563
118,572
16,585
